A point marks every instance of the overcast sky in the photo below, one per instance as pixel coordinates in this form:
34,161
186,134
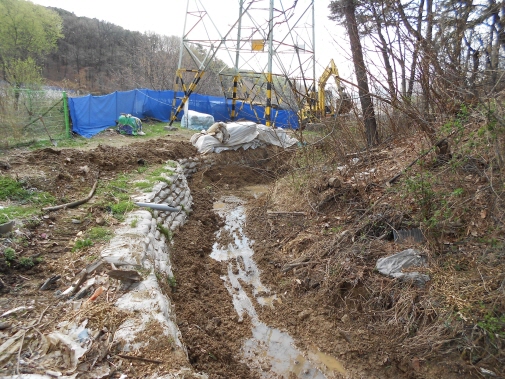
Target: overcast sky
166,17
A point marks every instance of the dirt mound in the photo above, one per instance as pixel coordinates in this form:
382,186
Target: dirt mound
108,158
233,177
68,173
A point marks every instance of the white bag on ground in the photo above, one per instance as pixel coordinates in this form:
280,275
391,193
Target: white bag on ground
196,120
219,131
240,135
393,266
236,135
241,132
277,137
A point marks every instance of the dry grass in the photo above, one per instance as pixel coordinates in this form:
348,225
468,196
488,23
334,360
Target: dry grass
458,202
99,313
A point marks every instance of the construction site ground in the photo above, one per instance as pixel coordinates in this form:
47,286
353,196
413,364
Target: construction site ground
316,251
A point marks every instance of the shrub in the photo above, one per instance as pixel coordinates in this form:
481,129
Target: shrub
9,254
81,244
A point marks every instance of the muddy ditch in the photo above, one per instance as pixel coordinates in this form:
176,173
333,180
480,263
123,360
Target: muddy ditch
317,308
66,173
218,291
257,293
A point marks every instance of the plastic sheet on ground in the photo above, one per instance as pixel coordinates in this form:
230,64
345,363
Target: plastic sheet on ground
245,135
64,347
196,120
149,304
395,264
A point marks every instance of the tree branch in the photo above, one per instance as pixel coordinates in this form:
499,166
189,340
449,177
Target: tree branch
74,203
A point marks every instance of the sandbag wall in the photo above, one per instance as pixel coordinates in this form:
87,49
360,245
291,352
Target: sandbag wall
194,164
142,243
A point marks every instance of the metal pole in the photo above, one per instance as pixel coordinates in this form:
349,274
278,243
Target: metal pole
183,35
65,113
237,56
198,76
181,49
314,43
268,110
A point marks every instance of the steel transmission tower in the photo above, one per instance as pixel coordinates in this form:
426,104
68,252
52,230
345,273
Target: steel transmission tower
267,52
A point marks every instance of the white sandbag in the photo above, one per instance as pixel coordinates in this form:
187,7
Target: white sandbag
219,131
244,146
241,132
204,143
241,135
196,120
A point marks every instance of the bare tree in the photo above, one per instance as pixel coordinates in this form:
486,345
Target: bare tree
347,9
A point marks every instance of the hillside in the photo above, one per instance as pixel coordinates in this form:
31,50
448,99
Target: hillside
99,57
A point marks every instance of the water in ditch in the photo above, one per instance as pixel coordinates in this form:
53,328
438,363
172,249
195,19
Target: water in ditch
270,350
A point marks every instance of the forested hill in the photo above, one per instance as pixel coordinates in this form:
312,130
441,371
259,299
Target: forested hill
100,57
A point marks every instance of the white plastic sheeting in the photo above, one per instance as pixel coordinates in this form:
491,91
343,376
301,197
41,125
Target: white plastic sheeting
52,375
245,135
71,342
277,137
196,120
394,264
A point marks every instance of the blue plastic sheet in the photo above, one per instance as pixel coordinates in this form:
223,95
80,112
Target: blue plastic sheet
92,114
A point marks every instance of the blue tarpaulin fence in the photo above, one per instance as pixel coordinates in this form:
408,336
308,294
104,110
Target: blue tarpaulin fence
92,114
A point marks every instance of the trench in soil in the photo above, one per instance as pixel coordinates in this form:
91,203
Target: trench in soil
267,351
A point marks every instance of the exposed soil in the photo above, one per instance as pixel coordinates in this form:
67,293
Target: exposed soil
206,317
319,261
205,313
67,172
68,175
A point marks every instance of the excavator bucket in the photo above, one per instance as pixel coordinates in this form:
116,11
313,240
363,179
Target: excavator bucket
344,104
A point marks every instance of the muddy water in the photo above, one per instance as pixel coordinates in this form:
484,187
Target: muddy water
270,350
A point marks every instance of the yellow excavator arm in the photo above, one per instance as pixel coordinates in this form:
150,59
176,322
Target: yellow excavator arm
345,102
316,105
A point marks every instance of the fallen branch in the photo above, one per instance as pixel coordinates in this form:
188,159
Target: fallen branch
273,213
290,266
78,280
74,203
85,287
359,153
397,176
41,315
139,358
301,261
19,352
49,282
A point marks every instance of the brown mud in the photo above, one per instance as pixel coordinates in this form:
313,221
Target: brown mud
320,306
